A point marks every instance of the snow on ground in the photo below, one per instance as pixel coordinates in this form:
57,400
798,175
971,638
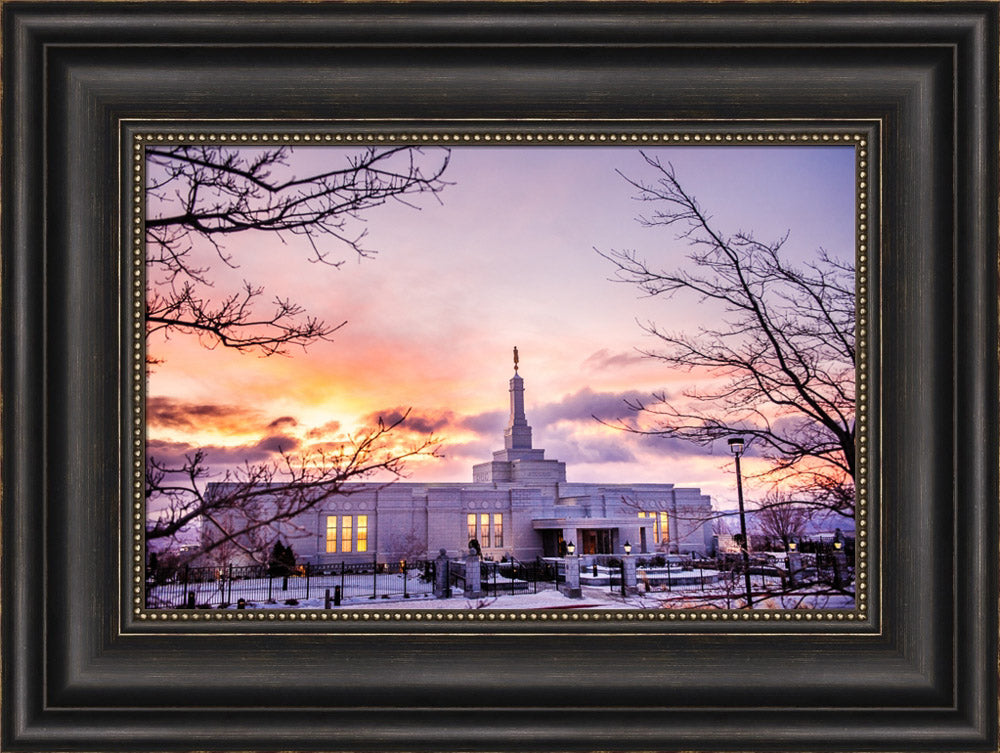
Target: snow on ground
691,597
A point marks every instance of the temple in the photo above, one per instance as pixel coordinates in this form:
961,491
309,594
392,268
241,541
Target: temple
519,504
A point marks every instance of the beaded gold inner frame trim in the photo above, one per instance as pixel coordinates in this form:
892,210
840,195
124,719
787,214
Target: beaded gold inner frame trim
136,136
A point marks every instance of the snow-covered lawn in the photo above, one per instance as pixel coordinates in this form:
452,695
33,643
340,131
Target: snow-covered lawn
684,597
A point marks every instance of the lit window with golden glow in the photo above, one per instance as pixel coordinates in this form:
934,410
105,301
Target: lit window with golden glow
484,529
346,533
331,533
471,522
497,529
661,525
362,530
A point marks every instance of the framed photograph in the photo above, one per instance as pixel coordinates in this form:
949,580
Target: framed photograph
500,376
364,491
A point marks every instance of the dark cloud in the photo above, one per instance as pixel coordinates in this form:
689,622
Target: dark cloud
671,446
269,448
330,427
476,452
175,414
585,405
490,422
590,450
605,359
416,421
280,423
277,443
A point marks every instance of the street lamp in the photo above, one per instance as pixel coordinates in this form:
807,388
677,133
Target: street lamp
793,546
627,547
570,548
736,446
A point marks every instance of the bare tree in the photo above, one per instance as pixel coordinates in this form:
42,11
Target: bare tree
783,360
408,546
781,518
243,509
207,194
198,199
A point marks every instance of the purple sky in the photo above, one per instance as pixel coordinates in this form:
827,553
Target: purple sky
506,259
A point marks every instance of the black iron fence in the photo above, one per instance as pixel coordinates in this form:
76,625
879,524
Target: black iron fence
513,577
255,585
507,577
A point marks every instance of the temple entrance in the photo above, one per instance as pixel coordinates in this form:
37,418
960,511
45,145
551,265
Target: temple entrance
553,544
596,541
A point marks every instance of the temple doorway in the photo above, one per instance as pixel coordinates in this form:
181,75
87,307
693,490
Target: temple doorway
596,540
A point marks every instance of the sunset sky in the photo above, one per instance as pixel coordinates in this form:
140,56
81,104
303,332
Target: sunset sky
506,258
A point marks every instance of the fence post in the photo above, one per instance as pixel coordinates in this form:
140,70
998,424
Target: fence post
629,574
341,576
270,586
571,582
670,585
229,584
374,576
307,579
473,574
442,579
326,600
403,568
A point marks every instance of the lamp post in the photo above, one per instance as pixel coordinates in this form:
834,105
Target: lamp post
627,548
570,548
736,445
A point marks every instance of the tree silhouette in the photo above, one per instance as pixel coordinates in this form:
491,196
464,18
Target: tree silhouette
780,518
199,195
198,199
781,363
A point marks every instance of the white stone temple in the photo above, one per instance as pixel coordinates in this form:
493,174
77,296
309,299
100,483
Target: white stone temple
519,504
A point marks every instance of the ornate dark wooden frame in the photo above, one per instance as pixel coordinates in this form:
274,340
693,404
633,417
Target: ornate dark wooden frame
80,674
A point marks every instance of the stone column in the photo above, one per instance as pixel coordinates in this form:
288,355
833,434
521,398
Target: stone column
571,586
441,585
629,573
839,569
794,568
473,587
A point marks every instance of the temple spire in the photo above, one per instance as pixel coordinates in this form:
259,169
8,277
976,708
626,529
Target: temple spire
517,435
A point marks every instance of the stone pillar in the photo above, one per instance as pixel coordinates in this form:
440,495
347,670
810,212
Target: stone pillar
794,568
629,573
441,578
571,586
839,569
473,586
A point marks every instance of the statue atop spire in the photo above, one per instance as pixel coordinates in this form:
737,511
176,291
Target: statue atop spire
515,359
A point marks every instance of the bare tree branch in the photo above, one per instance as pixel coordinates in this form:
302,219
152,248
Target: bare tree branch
243,508
782,361
210,193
